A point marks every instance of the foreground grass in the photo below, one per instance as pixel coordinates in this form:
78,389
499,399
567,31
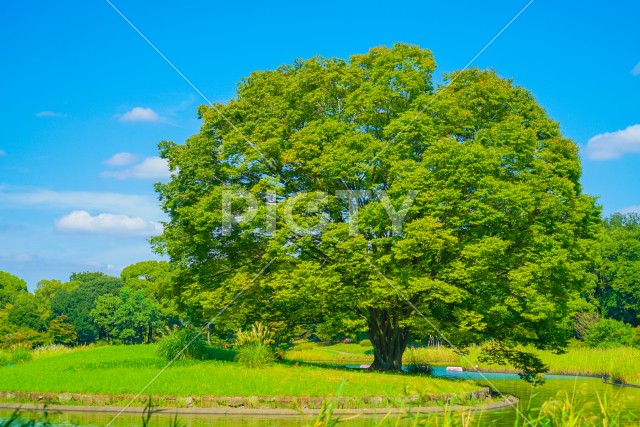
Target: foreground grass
127,369
619,364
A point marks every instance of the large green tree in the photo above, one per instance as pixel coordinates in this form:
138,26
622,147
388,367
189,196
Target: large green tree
470,215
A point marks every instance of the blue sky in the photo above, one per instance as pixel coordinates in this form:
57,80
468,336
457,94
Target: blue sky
86,100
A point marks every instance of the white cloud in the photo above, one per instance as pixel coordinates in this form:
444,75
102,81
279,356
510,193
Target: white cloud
149,168
105,223
121,159
630,209
50,114
127,204
612,145
3,153
140,114
636,70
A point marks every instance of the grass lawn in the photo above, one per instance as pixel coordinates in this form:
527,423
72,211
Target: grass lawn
620,363
126,369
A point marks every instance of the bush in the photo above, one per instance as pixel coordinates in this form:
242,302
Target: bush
20,355
254,347
190,340
635,340
607,333
366,343
4,360
255,355
223,354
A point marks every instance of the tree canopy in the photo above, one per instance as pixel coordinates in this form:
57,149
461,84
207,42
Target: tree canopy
10,287
469,205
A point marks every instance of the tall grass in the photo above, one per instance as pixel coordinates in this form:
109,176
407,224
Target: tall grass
355,353
616,364
254,347
183,344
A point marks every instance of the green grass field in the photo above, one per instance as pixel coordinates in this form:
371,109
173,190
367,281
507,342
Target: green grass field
127,369
621,363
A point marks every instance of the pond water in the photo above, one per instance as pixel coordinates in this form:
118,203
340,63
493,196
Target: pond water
584,391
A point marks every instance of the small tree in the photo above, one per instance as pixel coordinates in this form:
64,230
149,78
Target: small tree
62,332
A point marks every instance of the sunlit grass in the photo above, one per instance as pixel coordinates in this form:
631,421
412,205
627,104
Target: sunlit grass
127,369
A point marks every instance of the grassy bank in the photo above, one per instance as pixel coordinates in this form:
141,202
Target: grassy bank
355,353
127,369
620,364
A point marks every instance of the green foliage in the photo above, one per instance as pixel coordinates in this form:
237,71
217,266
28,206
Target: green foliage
77,301
618,270
20,355
258,335
129,317
26,312
529,364
24,337
186,343
365,343
62,332
255,355
415,364
497,242
635,338
10,287
609,333
254,347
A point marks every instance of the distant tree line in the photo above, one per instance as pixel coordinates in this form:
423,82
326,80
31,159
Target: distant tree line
137,307
140,306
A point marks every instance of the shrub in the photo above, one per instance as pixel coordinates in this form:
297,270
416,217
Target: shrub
20,355
3,360
366,343
254,347
255,355
170,347
635,338
607,333
217,353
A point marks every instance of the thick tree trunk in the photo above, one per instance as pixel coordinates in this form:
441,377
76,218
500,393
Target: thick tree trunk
389,339
150,334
